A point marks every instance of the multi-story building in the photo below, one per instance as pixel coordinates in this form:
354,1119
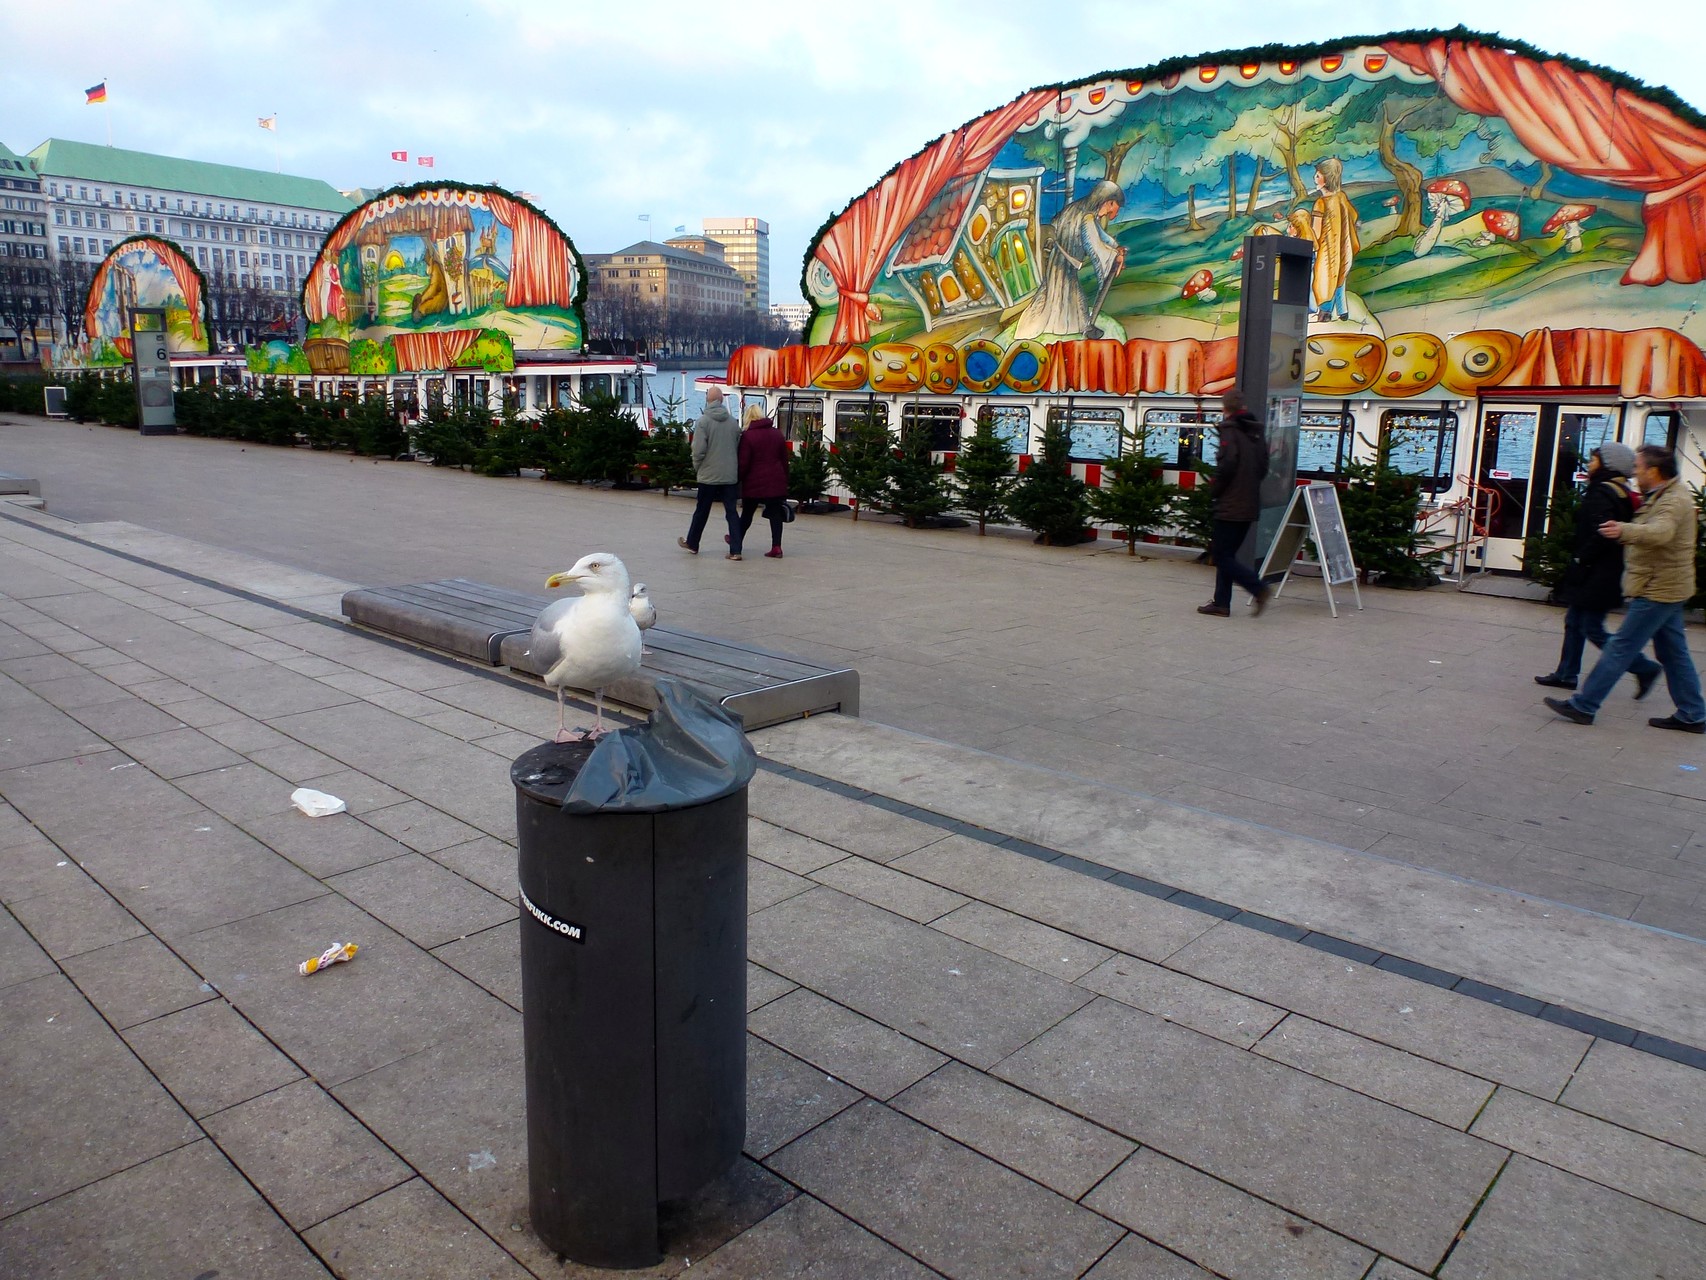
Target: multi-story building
746,248
25,304
792,314
254,234
669,279
698,244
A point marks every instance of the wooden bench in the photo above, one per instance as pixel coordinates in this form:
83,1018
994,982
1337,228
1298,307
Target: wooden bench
490,625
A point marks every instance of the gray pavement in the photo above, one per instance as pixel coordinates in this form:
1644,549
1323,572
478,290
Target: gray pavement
1411,729
1006,1019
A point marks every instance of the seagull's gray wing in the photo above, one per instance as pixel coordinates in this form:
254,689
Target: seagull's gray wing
544,645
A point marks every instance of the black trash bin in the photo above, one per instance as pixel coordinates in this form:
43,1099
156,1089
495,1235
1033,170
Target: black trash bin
632,862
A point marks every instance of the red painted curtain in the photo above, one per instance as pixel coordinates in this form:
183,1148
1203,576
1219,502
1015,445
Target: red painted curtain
1577,121
437,349
188,282
541,269
858,243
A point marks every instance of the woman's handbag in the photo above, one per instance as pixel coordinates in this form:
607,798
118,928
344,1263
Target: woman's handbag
787,512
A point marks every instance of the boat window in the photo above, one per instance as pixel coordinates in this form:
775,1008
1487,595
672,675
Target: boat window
800,417
1324,444
1012,424
595,384
942,421
1661,427
1424,444
1179,436
1095,433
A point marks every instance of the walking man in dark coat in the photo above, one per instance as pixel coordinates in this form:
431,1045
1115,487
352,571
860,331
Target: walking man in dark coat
1592,584
1238,470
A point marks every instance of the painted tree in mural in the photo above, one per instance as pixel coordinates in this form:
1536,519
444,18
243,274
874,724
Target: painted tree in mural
1375,121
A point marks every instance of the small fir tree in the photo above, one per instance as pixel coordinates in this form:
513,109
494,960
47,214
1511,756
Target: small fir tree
983,474
1545,556
1192,510
1133,497
608,442
666,457
920,485
1699,599
863,459
1048,499
808,468
1380,505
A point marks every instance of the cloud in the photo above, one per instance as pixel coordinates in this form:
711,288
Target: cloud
605,111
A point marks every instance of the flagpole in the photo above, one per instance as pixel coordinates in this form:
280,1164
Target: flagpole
277,155
106,101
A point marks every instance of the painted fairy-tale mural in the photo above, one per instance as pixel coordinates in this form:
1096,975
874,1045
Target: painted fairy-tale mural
139,272
1482,214
436,276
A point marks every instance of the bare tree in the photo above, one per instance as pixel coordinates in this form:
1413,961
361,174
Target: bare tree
68,283
24,301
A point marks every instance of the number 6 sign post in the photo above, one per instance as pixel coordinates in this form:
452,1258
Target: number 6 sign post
151,368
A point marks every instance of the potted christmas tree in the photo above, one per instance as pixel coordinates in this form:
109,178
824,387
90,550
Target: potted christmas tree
808,471
863,460
983,473
919,491
1048,499
1133,496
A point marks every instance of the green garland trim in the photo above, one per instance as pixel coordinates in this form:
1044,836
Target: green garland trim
577,304
1656,94
162,242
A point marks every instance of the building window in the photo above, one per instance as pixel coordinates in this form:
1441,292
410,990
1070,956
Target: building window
78,242
59,217
201,254
106,246
76,218
106,223
180,206
82,193
64,245
243,257
53,188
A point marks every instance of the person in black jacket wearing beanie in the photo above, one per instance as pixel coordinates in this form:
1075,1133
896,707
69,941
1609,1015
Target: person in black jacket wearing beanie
1592,584
1238,470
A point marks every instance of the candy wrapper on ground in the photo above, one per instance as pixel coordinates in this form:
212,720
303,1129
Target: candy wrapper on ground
337,953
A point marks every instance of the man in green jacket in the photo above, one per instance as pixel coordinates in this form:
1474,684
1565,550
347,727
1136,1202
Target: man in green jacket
1658,578
716,466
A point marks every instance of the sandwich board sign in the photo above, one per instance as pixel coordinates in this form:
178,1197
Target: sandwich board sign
1314,514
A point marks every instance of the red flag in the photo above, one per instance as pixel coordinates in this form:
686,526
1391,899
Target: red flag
424,161
400,155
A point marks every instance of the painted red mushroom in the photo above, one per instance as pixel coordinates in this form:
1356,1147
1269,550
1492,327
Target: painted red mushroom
1569,219
1200,286
1238,253
1499,224
1446,198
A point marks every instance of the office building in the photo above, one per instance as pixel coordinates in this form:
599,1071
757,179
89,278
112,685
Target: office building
24,284
668,278
746,248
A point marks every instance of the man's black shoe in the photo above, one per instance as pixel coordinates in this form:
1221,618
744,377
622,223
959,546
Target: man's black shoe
1671,722
1563,707
1214,610
1644,684
1553,681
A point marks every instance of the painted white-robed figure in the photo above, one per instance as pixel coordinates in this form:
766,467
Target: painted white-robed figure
1059,306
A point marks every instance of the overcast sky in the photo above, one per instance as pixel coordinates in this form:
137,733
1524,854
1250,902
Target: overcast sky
604,111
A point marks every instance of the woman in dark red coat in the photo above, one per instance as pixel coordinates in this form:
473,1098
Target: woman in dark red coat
764,479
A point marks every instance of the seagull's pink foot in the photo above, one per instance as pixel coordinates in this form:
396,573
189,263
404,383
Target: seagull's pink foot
571,735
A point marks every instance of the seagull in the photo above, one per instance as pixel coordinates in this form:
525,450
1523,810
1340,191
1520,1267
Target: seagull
644,611
588,642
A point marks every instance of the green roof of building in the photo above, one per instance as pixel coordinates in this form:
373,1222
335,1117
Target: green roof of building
13,163
57,158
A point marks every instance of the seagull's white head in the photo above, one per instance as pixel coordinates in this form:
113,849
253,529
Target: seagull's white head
639,591
596,574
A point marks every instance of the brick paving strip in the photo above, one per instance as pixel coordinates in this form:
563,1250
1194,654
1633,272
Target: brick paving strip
966,1060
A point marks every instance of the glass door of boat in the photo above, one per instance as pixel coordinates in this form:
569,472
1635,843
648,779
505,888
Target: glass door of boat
1525,455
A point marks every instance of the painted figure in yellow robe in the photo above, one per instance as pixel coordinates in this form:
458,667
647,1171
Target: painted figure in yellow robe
1333,228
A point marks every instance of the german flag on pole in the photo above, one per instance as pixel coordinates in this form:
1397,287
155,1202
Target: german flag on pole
96,94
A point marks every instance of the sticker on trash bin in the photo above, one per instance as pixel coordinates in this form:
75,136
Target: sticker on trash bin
572,932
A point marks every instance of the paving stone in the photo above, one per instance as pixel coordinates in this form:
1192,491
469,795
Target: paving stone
789,849
1130,922
1595,1149
364,732
268,692
1226,1015
1036,1138
294,762
20,958
186,1213
1221,1227
1386,1269
126,718
1403,1079
491,958
40,669
79,1106
943,1203
392,1000
952,996
1471,1035
81,690
420,826
241,792
36,733
425,902
179,752
324,846
209,1057
890,889
412,1231
786,1097
807,1240
767,885
1541,1223
135,980
462,724
200,711
1030,943
80,917
866,1054
1135,1258
1312,1147
99,795
306,1154
847,824
1643,1092
31,864
762,986
487,861
244,736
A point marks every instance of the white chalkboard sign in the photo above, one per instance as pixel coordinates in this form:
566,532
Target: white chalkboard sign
1313,515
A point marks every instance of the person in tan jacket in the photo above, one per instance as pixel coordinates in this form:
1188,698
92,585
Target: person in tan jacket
1658,578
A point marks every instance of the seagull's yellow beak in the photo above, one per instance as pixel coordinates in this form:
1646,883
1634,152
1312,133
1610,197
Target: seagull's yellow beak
558,579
